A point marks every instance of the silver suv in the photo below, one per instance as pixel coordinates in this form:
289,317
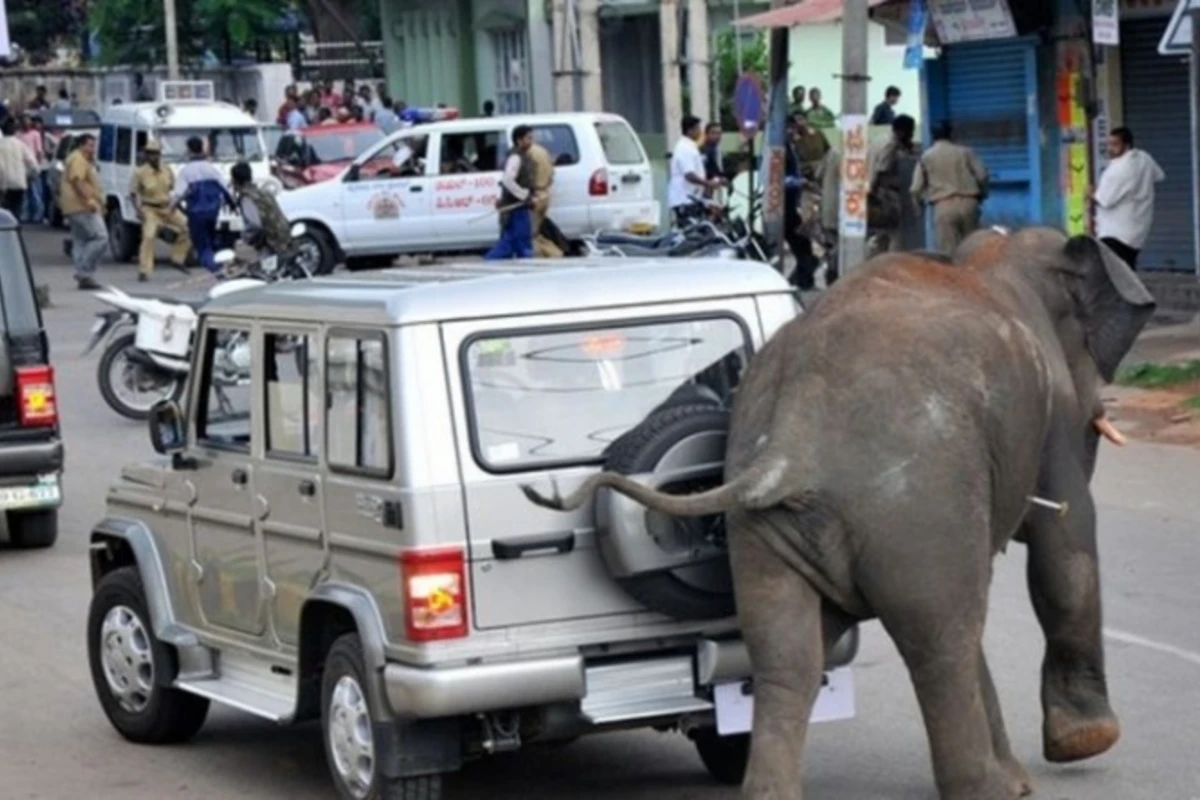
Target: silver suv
339,532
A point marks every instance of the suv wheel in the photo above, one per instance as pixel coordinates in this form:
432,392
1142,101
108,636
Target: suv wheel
673,436
349,735
124,239
132,670
33,529
724,757
315,251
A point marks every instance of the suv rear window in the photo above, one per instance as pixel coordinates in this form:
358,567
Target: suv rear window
620,143
562,396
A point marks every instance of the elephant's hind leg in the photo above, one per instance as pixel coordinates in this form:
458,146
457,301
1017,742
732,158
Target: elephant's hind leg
939,633
1019,778
780,616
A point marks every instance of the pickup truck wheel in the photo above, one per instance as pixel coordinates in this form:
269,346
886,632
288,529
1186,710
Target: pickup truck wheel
33,529
687,593
350,746
132,670
724,757
124,239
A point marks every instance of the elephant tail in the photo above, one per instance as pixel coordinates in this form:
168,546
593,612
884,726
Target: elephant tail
759,486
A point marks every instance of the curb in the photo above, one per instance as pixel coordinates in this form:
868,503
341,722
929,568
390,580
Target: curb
1178,292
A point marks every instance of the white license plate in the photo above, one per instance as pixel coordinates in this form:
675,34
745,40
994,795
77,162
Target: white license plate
735,707
43,493
270,264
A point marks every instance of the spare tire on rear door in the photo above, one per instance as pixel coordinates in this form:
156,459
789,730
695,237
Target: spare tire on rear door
675,566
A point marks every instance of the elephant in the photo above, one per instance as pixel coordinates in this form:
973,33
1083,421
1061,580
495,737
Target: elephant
883,449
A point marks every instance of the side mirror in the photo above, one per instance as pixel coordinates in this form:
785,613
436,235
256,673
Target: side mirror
166,427
298,230
352,173
224,257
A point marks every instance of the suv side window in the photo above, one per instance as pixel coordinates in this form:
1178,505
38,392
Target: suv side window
292,398
223,408
358,428
470,152
124,146
107,146
559,141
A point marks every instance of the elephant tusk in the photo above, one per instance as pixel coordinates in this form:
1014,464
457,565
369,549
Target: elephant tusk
1109,431
1061,508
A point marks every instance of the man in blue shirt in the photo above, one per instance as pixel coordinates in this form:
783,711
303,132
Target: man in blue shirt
200,187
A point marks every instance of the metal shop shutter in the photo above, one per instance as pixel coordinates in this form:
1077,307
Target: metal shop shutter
988,91
1157,110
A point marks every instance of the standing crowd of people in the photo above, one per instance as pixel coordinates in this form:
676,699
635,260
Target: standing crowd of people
325,105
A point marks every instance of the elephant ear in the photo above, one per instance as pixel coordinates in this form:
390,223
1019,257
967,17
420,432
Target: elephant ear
1113,303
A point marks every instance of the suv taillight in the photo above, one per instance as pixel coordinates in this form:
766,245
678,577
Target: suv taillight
36,404
435,594
598,184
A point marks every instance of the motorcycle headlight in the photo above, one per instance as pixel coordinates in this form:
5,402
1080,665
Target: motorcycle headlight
271,185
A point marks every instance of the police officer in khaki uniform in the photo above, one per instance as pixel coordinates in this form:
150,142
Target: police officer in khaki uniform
543,177
954,181
151,188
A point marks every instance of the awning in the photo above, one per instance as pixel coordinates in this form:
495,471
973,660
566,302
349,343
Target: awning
805,12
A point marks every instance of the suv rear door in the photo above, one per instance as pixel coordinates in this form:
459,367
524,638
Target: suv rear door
629,176
540,399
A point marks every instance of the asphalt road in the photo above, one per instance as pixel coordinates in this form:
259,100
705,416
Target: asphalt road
55,743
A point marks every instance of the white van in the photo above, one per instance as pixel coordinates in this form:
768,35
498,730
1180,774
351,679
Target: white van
433,188
184,109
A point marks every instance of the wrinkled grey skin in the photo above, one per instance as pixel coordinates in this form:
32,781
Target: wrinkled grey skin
883,450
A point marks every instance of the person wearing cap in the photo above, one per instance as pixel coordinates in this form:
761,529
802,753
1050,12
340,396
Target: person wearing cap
151,187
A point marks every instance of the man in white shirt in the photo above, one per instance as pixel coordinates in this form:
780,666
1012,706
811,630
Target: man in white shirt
686,183
17,164
1124,200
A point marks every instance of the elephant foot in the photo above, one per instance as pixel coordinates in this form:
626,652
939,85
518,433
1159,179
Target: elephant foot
1068,737
1019,781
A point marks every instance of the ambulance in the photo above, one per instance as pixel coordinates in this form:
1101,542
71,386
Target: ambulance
184,109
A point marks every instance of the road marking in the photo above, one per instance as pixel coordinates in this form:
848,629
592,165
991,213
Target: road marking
1150,644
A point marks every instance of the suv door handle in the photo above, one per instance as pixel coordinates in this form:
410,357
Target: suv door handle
307,488
239,477
416,188
507,550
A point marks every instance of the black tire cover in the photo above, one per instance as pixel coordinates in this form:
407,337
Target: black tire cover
698,586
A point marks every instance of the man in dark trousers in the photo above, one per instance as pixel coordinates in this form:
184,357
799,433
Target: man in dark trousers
516,198
200,187
793,184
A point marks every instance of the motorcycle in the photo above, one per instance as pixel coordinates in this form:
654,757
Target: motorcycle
705,234
149,339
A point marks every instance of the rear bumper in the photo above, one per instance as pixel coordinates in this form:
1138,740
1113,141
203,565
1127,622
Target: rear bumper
446,692
28,459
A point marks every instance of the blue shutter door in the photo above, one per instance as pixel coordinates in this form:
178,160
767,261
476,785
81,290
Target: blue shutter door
988,91
1157,110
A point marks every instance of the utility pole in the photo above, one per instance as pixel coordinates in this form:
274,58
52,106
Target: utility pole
591,89
852,242
668,20
697,38
172,30
1194,70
